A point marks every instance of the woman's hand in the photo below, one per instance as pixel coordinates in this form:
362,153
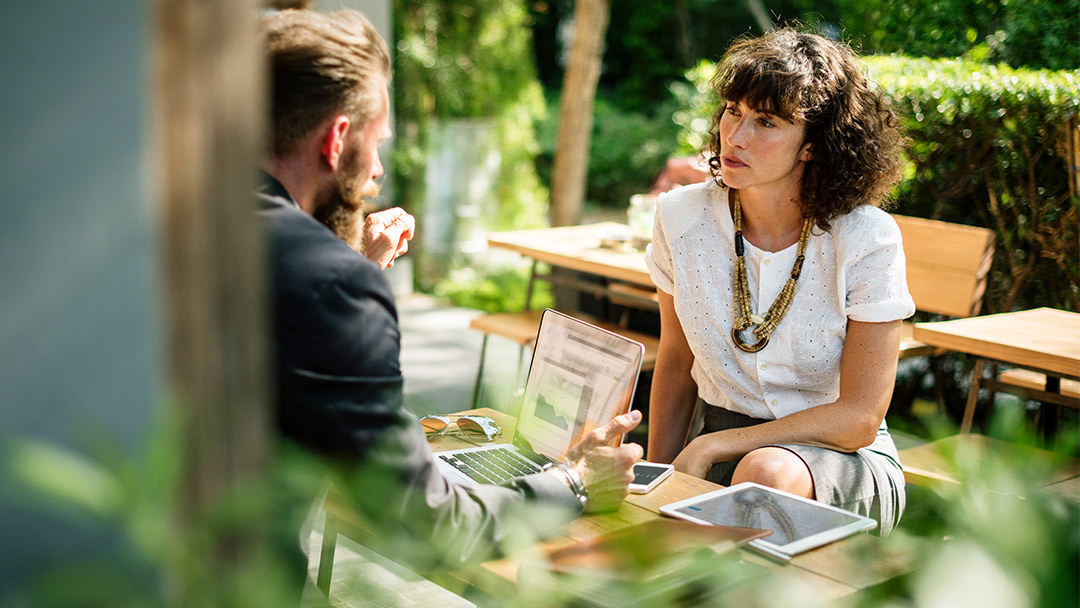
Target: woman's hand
695,459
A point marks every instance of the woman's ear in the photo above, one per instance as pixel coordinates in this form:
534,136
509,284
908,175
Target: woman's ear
807,153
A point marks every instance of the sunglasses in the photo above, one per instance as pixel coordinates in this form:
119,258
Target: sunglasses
475,427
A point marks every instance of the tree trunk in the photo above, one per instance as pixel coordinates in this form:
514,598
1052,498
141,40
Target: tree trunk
571,162
687,52
761,16
207,111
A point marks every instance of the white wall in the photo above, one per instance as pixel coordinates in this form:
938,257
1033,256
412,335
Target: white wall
79,338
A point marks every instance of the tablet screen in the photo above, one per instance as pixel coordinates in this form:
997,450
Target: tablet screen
797,523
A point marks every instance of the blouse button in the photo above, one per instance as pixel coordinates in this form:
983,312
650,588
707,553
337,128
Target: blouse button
764,365
767,261
773,402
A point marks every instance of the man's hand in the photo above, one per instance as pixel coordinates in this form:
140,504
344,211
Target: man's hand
386,234
606,471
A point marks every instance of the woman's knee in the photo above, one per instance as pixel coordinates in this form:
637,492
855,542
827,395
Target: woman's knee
777,468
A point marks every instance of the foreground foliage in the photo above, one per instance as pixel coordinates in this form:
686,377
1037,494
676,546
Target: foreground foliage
967,545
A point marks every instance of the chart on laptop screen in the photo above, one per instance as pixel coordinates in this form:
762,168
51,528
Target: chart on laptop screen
580,378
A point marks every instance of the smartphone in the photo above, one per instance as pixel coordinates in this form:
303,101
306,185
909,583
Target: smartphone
648,475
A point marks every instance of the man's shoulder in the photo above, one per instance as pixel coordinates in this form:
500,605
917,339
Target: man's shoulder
306,256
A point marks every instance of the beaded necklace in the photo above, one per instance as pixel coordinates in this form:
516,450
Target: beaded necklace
744,318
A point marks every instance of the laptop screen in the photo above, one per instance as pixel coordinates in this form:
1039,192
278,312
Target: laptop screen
581,377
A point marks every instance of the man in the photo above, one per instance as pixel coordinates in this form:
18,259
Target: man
336,331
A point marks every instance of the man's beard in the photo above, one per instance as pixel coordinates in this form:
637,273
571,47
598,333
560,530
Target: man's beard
340,207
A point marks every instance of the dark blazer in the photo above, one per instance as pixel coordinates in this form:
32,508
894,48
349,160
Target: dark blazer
339,394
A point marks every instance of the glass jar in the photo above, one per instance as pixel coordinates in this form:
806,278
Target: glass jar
639,216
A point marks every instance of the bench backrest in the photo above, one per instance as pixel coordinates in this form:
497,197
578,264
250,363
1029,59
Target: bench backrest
947,264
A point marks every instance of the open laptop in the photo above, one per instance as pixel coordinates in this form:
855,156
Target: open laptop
581,376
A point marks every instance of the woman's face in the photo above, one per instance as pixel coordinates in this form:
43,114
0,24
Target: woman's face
761,150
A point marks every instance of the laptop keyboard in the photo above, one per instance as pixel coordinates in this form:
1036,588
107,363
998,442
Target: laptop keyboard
494,466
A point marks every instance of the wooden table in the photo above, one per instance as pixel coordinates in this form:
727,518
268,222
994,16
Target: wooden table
1045,340
588,249
832,571
579,248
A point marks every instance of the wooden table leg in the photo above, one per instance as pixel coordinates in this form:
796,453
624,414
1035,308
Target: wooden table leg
479,373
973,396
1049,415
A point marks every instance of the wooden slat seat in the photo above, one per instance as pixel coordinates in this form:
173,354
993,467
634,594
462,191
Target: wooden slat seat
910,347
519,327
939,463
636,296
1034,380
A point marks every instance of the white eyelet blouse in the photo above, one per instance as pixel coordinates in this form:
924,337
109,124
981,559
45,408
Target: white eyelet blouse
854,271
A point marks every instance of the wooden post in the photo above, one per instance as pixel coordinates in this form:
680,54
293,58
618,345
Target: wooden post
208,115
760,14
571,161
1072,154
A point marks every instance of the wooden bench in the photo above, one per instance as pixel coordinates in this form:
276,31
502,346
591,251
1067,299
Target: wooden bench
951,460
1030,379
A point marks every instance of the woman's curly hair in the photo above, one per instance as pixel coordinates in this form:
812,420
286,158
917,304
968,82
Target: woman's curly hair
854,135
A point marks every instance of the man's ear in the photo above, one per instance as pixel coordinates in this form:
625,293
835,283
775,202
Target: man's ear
807,152
333,143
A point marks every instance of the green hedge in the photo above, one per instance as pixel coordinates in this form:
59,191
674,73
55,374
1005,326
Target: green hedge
989,147
1020,33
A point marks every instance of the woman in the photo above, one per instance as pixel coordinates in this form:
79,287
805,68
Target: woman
782,284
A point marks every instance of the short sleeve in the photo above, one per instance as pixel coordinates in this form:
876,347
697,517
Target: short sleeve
875,270
658,254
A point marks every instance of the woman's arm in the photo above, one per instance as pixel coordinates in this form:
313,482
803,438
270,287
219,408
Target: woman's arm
674,392
867,377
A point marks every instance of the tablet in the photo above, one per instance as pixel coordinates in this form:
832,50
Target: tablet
798,524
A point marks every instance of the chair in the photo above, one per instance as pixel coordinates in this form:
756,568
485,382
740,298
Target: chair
947,269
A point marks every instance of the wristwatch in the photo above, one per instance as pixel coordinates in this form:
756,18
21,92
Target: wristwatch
573,480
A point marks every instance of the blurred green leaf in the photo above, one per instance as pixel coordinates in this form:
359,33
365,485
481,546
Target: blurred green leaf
65,476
